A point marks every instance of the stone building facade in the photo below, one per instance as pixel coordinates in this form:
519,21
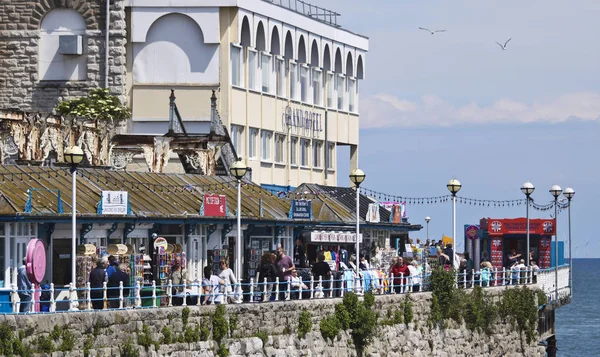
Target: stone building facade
30,73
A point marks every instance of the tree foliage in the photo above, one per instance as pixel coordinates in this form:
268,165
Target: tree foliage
98,105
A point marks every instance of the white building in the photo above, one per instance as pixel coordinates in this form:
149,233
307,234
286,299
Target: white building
287,78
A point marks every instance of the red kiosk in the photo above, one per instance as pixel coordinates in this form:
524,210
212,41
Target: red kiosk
499,236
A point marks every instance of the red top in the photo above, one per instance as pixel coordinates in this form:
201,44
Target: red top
399,271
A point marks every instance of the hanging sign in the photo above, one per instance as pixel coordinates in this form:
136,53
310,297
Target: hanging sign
113,202
496,227
471,232
334,237
161,244
373,213
301,209
214,206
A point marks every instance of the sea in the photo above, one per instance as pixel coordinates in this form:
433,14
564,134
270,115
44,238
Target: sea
578,324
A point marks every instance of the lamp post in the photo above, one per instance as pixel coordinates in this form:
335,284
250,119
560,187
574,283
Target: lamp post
569,193
453,186
357,177
73,156
556,191
238,170
527,189
427,219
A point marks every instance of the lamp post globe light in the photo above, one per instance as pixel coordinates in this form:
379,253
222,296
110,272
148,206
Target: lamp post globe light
527,189
73,156
556,191
238,170
427,219
453,186
357,177
569,193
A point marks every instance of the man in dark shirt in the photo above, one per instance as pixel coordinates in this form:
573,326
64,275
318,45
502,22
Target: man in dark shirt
450,253
322,270
97,279
299,256
120,275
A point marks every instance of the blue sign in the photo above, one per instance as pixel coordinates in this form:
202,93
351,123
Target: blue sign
301,209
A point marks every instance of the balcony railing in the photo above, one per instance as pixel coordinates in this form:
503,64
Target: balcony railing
318,13
547,281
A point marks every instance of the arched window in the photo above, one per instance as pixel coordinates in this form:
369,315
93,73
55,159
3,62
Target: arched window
349,66
289,46
245,37
338,61
314,54
275,42
261,41
301,50
327,58
62,46
175,52
359,68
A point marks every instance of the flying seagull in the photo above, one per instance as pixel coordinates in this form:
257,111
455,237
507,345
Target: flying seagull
431,32
503,47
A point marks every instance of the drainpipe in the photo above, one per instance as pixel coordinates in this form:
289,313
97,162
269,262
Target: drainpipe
106,39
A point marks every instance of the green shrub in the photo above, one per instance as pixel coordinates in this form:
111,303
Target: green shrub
264,337
68,341
408,310
435,316
45,344
304,323
56,333
220,324
192,334
145,337
128,350
233,320
204,333
519,307
167,335
541,297
185,315
88,344
330,327
222,351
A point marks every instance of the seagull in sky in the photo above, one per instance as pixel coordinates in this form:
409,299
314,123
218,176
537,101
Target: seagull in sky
431,32
503,47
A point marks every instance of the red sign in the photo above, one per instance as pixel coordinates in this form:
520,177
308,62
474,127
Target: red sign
214,205
498,227
544,256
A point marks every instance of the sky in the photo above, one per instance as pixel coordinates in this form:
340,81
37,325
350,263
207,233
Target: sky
455,105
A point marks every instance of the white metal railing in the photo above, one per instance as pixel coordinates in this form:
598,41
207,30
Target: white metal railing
547,281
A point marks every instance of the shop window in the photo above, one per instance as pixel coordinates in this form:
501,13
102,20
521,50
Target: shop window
351,94
279,148
293,80
304,83
340,92
330,157
252,138
304,147
252,69
265,64
294,151
281,76
317,84
265,138
237,79
237,136
330,90
317,152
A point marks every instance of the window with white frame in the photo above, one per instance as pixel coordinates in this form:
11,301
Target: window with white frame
340,92
330,157
265,65
266,137
304,153
252,66
304,83
330,90
293,80
351,94
317,84
281,76
252,138
237,78
279,148
237,138
294,151
317,152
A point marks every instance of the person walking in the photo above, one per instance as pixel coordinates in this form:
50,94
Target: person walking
25,288
97,279
120,275
178,277
230,281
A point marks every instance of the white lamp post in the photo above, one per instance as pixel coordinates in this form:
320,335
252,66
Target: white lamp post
357,177
239,170
427,219
74,156
569,193
527,189
453,186
556,191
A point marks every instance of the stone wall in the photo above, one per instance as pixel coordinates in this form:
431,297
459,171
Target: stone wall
107,331
20,87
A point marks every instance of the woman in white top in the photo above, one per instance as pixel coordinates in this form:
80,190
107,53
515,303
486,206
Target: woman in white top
230,281
415,277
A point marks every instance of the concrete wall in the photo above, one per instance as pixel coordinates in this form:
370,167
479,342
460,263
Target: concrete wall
280,322
21,41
